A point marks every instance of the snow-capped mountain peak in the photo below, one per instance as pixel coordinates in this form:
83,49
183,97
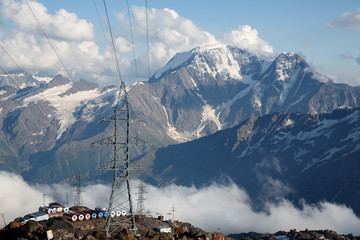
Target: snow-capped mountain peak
218,60
214,60
233,83
286,63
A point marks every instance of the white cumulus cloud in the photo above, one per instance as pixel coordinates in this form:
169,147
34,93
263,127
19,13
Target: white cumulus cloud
62,25
247,38
71,37
169,33
76,45
348,20
17,197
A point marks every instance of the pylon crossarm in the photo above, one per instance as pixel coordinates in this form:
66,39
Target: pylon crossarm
104,141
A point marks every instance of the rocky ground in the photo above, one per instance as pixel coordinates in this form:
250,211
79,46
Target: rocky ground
64,229
294,235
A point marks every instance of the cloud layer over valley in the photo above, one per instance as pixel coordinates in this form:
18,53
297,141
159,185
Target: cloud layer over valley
226,207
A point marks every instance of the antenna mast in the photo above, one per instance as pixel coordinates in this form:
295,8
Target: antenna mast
120,199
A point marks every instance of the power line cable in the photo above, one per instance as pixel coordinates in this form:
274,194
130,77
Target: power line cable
102,26
48,39
52,46
147,38
112,41
26,75
132,41
2,47
11,78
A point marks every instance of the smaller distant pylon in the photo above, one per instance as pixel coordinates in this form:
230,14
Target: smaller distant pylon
173,213
78,197
140,200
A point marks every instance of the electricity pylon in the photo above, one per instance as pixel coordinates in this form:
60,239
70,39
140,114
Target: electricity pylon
140,201
2,214
78,197
120,197
173,213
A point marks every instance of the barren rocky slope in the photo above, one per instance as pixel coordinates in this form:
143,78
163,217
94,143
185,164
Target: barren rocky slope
64,229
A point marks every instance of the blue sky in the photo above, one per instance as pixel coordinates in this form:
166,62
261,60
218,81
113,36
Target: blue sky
325,32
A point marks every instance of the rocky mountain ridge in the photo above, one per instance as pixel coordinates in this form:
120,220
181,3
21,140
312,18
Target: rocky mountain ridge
47,125
208,89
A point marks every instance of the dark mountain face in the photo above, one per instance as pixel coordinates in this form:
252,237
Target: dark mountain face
298,156
47,125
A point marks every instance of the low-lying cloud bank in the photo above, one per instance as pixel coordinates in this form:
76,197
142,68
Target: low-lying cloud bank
224,207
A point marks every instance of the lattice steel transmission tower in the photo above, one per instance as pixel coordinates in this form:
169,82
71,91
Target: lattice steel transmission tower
78,197
140,201
120,197
173,213
3,214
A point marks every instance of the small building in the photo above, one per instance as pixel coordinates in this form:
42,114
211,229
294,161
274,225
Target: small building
163,229
36,216
101,209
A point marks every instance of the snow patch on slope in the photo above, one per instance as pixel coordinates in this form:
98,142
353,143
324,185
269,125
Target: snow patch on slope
43,79
240,95
353,136
287,85
283,67
223,61
175,62
172,132
208,115
257,94
289,122
328,155
65,105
